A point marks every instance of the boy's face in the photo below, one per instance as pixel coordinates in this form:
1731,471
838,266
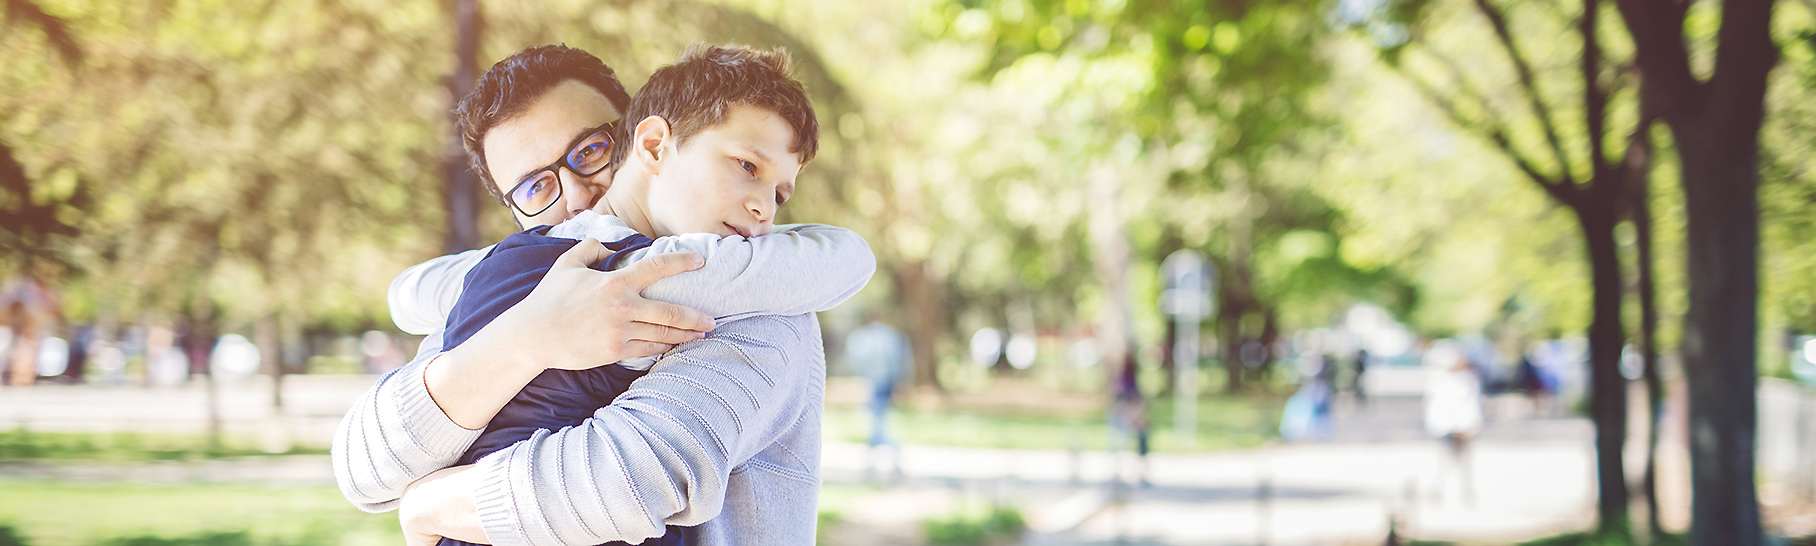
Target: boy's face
729,179
539,137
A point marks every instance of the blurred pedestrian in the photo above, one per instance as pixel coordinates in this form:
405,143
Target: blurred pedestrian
1453,412
1129,416
1532,384
1307,415
31,310
1356,386
880,354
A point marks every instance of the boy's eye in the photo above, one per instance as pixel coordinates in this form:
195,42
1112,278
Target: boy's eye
747,166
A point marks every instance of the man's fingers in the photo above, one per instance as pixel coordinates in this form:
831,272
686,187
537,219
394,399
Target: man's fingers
584,254
643,331
672,316
654,268
636,348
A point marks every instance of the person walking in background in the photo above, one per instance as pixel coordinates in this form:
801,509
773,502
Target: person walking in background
880,354
1356,386
1129,415
1453,411
32,311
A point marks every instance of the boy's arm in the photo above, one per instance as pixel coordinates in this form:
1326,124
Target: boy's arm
796,269
421,296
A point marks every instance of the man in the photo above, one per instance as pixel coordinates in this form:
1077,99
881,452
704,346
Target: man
422,417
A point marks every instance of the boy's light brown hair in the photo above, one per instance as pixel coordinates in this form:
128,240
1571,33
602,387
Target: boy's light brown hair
694,94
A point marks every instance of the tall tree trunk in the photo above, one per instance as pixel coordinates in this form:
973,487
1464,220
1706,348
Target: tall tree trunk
1110,257
1608,394
1639,169
1721,197
922,304
1238,292
265,336
462,183
1716,126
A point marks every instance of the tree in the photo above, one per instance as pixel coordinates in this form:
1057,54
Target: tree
1589,181
1224,95
1715,122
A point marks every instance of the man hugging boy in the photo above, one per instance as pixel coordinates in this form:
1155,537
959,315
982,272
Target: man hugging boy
705,156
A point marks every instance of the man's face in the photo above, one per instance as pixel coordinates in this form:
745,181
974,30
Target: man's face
729,179
539,137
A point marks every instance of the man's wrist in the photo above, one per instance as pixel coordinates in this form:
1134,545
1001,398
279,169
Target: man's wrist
471,383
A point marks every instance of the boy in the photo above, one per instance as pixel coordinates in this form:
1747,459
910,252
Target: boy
719,138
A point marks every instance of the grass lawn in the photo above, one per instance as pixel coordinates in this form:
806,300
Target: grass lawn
22,444
46,513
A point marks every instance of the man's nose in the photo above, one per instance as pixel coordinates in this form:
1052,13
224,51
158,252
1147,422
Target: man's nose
578,193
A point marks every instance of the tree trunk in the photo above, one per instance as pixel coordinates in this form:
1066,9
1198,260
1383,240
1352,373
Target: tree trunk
1168,358
1110,257
462,183
1229,319
1608,394
1639,167
1721,197
1716,126
264,335
1237,292
921,303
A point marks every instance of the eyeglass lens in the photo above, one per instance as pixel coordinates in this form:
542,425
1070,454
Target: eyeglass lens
535,195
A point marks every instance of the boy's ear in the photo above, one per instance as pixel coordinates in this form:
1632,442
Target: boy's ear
650,143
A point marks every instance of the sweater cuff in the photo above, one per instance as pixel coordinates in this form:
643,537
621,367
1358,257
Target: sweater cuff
438,434
507,520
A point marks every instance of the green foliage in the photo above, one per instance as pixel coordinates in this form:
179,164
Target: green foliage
10,537
235,161
967,528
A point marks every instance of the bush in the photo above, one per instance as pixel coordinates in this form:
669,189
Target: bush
10,537
975,529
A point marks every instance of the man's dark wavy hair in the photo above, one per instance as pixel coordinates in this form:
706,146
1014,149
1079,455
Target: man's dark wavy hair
694,94
512,85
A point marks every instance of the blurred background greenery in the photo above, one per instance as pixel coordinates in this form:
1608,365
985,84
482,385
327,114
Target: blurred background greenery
209,167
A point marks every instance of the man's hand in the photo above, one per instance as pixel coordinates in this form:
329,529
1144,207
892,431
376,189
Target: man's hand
441,505
575,319
578,318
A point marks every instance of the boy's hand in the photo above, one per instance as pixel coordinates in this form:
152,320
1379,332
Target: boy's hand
441,504
578,318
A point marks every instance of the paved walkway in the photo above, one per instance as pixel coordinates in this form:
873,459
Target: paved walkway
1531,476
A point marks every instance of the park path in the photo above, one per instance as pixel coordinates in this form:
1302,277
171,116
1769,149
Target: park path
1532,475
1531,478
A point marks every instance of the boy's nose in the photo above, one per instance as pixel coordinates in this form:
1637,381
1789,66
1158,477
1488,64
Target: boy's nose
763,208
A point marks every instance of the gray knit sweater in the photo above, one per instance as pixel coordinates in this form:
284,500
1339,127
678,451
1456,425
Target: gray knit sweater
723,434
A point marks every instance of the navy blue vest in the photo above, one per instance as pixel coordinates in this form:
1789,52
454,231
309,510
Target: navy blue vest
556,398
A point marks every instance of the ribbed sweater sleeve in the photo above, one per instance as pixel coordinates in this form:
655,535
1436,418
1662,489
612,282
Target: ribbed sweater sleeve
802,268
663,452
394,434
421,297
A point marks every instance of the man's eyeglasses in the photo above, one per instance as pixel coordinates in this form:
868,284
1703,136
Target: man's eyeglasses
586,156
